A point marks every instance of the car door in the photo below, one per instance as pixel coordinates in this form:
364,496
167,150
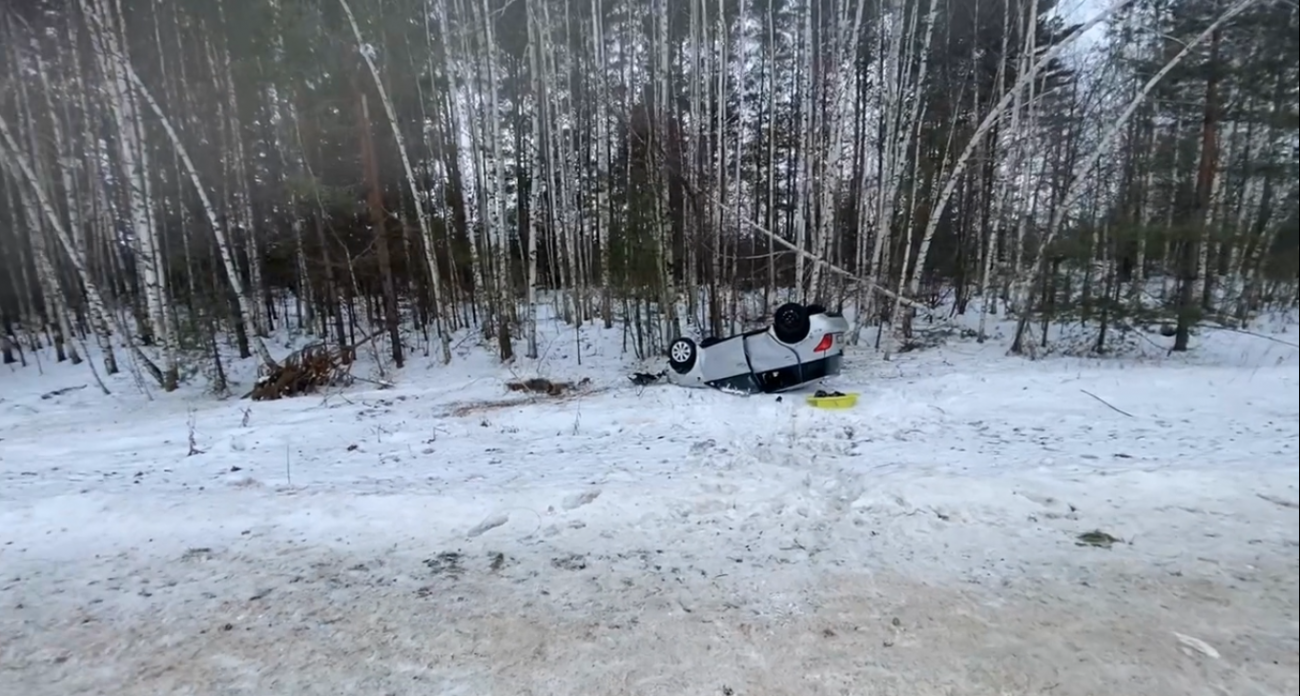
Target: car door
766,353
724,359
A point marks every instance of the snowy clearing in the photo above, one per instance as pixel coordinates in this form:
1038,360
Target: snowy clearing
448,537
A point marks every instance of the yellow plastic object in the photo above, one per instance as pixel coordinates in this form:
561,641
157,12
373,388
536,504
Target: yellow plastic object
843,401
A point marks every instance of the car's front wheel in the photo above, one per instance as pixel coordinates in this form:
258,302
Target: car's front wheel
682,355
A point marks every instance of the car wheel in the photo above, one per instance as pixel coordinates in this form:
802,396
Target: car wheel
681,355
790,323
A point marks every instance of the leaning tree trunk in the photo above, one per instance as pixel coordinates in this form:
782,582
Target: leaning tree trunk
223,242
1084,166
421,212
11,158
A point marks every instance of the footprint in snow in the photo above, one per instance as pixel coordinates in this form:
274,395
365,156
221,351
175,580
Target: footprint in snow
703,446
578,500
492,522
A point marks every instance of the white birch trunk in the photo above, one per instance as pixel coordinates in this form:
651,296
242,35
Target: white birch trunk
1023,124
565,208
603,159
670,323
808,129
110,55
497,220
987,301
1137,284
913,130
771,155
897,127
535,171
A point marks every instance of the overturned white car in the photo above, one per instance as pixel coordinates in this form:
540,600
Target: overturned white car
803,344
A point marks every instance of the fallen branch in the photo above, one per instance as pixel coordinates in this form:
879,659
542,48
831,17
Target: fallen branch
379,383
1266,337
539,385
61,392
1108,404
1290,505
841,271
692,194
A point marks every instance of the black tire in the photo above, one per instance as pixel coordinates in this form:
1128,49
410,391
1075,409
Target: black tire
681,355
790,323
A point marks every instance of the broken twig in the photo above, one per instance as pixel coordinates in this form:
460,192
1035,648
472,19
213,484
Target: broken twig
1108,404
1280,502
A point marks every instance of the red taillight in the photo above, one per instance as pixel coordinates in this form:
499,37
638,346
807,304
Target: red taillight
825,344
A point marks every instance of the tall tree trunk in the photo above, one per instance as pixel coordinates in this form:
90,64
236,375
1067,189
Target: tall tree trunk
1192,256
378,220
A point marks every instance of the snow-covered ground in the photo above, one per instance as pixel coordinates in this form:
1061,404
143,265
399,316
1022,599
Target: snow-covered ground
447,537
